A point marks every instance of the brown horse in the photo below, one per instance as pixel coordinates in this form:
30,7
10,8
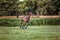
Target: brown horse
24,21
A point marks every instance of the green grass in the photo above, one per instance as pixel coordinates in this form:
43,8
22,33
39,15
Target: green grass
42,32
10,22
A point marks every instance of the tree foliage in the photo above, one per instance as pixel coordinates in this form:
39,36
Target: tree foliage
45,7
8,7
42,7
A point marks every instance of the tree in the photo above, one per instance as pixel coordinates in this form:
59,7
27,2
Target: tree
42,7
9,7
50,7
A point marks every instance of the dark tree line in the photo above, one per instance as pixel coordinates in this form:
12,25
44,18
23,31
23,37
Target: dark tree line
41,7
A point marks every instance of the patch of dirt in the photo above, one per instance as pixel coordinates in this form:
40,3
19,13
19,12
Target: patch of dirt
57,16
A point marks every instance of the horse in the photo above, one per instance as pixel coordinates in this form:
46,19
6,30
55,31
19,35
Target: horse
25,20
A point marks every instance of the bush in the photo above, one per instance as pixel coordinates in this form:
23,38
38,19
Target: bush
33,21
9,22
44,21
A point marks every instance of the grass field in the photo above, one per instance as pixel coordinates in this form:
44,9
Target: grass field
45,32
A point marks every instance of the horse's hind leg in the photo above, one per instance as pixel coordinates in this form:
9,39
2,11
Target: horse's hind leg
21,24
26,25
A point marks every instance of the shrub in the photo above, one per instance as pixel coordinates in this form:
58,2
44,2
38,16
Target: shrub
45,21
33,21
9,22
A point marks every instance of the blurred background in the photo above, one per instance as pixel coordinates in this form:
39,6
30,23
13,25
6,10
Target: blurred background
21,7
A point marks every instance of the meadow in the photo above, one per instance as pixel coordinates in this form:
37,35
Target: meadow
42,32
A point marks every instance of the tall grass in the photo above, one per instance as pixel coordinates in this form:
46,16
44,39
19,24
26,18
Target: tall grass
33,21
9,22
45,21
